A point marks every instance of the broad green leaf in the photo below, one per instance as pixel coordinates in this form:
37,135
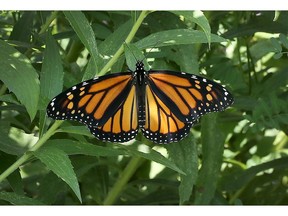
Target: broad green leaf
22,31
71,147
184,154
278,80
148,153
257,25
236,181
20,77
284,40
59,163
261,48
90,70
187,58
212,150
81,130
16,199
49,181
276,45
176,37
10,98
199,18
14,179
7,144
277,55
132,55
113,42
85,33
51,79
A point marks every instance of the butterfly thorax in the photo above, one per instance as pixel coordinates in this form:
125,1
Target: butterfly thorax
140,73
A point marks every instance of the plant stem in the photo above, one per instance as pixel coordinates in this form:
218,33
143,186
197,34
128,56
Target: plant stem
49,20
28,154
127,40
122,180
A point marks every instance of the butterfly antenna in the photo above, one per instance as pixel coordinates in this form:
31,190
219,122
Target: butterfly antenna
156,44
130,51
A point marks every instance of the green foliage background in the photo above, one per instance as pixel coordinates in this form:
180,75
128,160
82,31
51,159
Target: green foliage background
230,158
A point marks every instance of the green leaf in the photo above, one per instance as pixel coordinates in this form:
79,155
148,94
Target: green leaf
113,42
184,154
15,180
199,18
7,144
277,55
16,199
58,162
71,147
187,58
284,40
85,33
107,48
22,31
212,150
133,54
49,181
277,46
144,151
276,16
10,98
52,72
81,130
20,77
90,70
261,48
236,181
176,37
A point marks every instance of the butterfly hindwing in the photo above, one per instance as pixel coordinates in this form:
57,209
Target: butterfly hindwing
122,126
161,124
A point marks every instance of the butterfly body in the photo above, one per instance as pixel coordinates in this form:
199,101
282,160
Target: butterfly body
163,104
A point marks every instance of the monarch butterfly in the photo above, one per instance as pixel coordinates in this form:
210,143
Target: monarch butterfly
163,104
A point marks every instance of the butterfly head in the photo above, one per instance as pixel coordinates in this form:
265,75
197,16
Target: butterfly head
139,66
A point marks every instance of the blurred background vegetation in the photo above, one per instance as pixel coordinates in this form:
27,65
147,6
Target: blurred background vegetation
236,157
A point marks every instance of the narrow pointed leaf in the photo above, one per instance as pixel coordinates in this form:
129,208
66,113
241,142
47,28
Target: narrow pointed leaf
58,162
212,150
184,154
199,18
176,37
84,31
52,72
17,199
150,154
20,77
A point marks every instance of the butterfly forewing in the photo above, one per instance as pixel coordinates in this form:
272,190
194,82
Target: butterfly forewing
189,96
91,102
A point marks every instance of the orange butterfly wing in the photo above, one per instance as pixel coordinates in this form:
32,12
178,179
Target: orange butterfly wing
164,104
174,101
122,126
92,102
